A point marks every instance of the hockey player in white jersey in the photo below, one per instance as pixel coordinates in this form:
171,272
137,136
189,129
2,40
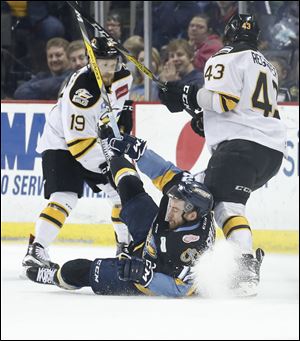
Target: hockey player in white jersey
243,130
71,153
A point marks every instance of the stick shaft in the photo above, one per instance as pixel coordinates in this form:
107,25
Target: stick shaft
96,70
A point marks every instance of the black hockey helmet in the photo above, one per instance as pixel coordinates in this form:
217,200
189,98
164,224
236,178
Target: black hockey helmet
242,27
195,195
103,49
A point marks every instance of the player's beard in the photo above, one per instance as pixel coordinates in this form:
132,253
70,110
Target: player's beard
107,80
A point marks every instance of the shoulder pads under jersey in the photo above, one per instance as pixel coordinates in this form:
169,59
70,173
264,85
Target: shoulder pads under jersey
85,91
233,48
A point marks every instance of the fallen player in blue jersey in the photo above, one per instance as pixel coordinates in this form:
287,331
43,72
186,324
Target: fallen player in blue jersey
167,239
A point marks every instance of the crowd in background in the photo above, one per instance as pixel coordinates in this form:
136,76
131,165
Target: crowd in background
41,43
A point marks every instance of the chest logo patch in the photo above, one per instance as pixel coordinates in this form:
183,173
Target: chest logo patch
190,238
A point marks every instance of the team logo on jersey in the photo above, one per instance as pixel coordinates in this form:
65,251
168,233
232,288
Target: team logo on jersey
122,91
189,255
190,238
150,246
82,97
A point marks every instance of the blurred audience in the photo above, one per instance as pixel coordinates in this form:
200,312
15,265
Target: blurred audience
137,92
77,55
179,66
288,90
170,20
114,26
27,26
202,38
46,85
220,12
134,45
33,24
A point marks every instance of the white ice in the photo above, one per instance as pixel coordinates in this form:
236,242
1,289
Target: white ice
31,311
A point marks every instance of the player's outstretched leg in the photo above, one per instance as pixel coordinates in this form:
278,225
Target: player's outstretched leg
74,274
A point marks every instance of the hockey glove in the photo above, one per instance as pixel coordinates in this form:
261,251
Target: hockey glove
129,145
179,97
125,120
197,124
137,270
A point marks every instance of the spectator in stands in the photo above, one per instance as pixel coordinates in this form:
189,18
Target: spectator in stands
203,40
114,26
46,85
137,92
77,56
170,20
179,66
134,44
220,12
33,24
287,89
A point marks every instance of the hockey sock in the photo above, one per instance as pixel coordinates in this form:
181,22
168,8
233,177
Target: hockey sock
237,230
53,217
121,230
49,223
126,179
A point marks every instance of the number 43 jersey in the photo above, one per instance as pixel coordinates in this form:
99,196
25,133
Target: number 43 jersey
245,87
72,123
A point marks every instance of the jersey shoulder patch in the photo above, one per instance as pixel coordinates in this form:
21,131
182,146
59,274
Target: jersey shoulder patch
85,91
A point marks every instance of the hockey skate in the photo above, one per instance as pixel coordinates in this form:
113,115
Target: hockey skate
246,280
31,240
37,256
42,275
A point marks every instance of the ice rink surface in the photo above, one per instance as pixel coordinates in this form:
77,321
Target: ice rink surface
41,312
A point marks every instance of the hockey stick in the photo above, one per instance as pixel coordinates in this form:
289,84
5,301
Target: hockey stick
117,45
97,73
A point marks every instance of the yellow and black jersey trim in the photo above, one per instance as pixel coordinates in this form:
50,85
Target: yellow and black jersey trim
79,147
235,223
162,180
115,214
138,247
124,172
228,102
144,290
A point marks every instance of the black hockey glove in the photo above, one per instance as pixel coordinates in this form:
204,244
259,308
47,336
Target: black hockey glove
125,120
137,270
178,97
197,124
129,145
